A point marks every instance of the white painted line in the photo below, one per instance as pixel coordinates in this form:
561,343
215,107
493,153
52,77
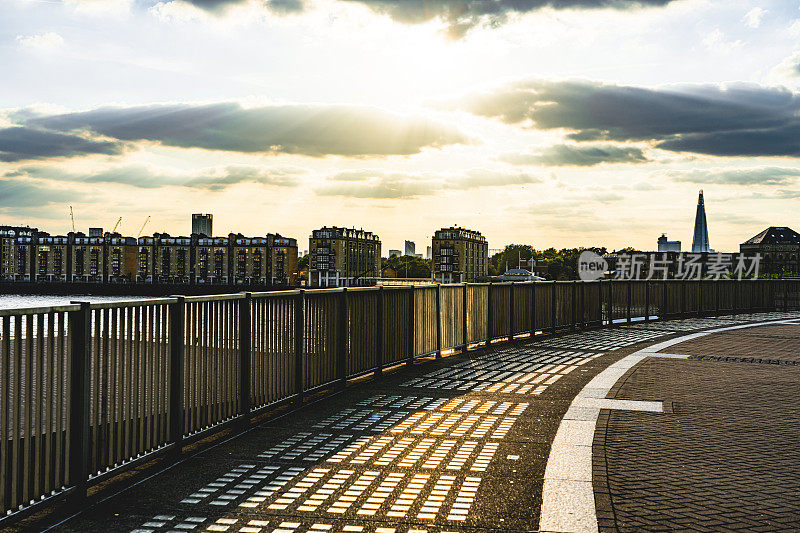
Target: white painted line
568,495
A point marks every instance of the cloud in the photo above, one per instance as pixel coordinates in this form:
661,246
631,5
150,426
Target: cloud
401,185
15,193
739,176
146,177
577,155
754,16
220,6
463,15
42,41
312,130
737,120
19,143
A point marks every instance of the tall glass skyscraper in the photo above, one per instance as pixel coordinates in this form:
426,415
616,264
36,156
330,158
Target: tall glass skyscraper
700,240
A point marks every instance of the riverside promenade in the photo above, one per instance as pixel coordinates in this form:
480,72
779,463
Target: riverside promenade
677,425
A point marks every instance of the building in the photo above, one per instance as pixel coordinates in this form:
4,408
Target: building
250,259
429,252
283,260
202,224
53,258
665,245
410,248
122,258
395,253
88,259
700,240
16,253
172,260
343,257
459,255
211,260
779,247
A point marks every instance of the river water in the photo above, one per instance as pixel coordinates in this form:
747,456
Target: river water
16,301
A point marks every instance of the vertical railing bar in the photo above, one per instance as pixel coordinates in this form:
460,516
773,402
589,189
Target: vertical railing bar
553,307
464,317
344,331
647,301
379,333
176,382
5,379
17,434
299,348
438,321
245,353
629,294
80,334
412,327
29,412
511,311
489,314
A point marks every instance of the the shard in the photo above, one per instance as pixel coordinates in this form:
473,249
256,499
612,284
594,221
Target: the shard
700,240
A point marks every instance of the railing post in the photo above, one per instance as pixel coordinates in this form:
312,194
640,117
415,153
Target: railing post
177,350
464,315
610,301
717,297
629,286
511,312
662,312
683,298
647,300
736,285
244,356
299,343
379,335
438,321
80,334
489,314
700,298
412,326
553,308
344,329
582,285
574,298
600,300
532,321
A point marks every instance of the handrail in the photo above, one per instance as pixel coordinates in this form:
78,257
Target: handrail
147,377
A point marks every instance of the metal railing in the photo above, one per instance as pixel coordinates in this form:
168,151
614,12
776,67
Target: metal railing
88,390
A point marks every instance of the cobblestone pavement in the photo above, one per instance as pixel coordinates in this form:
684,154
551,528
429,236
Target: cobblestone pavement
726,458
457,444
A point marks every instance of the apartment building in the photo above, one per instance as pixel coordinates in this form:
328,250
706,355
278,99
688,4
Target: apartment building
17,253
212,260
88,259
122,258
53,257
283,261
344,257
250,259
172,259
459,255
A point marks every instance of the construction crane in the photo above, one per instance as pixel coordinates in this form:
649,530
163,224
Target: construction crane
116,225
72,217
143,225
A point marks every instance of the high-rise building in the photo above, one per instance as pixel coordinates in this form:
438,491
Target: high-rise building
201,224
410,248
700,240
459,255
429,252
395,253
665,245
343,257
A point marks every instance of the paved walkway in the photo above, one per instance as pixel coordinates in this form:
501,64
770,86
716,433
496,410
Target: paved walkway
463,444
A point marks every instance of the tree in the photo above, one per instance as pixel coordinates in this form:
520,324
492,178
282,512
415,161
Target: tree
408,266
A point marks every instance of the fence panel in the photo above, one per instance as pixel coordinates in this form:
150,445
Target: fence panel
592,299
362,330
272,351
424,320
34,399
522,307
129,382
397,327
211,367
638,298
477,309
543,299
452,316
321,325
565,292
500,302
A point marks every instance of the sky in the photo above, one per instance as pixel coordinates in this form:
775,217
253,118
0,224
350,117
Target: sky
564,124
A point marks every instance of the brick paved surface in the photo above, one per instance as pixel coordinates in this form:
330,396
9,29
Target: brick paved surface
727,457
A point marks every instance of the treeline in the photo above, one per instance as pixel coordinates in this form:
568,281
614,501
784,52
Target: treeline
551,263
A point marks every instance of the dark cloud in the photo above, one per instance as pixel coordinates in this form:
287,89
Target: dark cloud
463,15
144,177
740,120
400,185
20,143
739,176
312,130
577,155
16,193
218,6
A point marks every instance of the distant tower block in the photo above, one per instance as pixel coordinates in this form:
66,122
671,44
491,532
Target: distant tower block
700,240
201,224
